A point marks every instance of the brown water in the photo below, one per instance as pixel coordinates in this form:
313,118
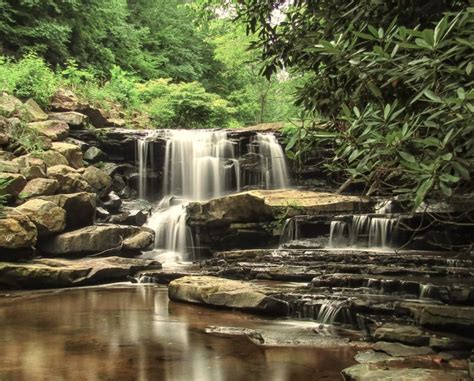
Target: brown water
132,332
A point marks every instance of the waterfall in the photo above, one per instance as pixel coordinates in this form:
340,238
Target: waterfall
200,165
363,231
273,163
290,231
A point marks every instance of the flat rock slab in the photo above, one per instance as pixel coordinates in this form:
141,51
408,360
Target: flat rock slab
374,372
402,350
217,292
260,205
53,273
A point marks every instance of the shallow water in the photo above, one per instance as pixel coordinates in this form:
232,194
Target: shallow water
132,332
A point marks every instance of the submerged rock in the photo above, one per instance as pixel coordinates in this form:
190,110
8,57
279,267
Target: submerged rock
219,292
52,273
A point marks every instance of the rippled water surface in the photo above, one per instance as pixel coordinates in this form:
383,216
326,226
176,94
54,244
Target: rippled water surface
132,332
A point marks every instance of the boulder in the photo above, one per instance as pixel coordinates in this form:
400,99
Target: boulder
94,155
79,207
141,241
52,158
65,100
441,316
52,129
31,166
39,187
9,105
116,122
16,183
4,139
33,111
220,292
47,217
112,202
100,181
55,273
16,230
382,372
261,205
70,181
9,167
103,238
74,119
71,152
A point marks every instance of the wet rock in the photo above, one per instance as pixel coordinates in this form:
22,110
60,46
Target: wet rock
401,350
79,207
374,372
219,292
402,333
47,217
440,316
71,152
371,357
53,273
52,158
103,238
39,187
16,230
102,214
73,119
95,155
15,183
70,181
33,112
52,129
112,202
98,180
140,241
451,342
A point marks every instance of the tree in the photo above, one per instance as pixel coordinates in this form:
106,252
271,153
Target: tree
392,78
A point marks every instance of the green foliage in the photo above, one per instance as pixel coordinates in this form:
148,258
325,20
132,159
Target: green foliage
394,82
184,105
28,138
30,77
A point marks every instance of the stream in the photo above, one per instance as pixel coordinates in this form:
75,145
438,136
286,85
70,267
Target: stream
132,332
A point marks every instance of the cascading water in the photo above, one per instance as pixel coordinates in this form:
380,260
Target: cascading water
367,231
200,165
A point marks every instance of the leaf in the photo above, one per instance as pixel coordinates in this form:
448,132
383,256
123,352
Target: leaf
461,170
429,94
469,68
407,157
461,93
423,190
447,191
357,111
386,111
447,178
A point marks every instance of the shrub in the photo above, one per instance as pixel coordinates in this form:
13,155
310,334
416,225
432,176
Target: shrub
30,77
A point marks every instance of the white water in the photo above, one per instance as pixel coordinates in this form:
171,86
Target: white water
365,231
200,165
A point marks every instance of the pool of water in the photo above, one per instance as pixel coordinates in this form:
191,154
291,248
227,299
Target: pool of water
132,332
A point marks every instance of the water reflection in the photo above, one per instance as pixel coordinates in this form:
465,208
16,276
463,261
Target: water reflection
134,333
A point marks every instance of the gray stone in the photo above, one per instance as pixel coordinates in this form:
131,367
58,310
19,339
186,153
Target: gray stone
100,182
9,105
73,119
33,111
407,334
52,158
70,181
94,155
71,152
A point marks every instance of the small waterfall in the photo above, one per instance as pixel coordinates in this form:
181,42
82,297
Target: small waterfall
290,231
200,165
363,231
328,312
144,151
273,163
